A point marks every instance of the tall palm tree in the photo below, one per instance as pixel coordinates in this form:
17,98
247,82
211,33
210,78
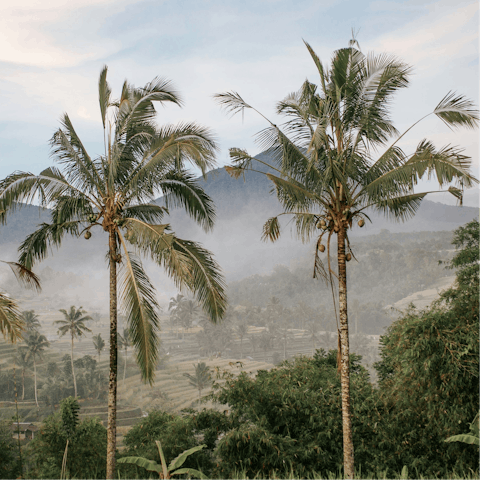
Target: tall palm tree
327,170
73,322
115,191
36,344
24,362
99,344
124,341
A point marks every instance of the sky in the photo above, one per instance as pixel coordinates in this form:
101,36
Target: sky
53,51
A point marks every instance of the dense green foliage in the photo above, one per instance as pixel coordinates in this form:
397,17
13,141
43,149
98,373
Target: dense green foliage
9,465
87,449
176,435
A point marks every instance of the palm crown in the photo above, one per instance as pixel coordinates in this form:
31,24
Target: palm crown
73,322
326,171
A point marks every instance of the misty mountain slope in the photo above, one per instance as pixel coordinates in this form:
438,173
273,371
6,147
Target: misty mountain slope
242,208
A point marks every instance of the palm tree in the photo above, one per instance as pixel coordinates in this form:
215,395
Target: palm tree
74,322
36,344
12,323
327,170
186,313
174,309
24,362
201,379
241,331
98,344
31,320
265,342
115,191
124,341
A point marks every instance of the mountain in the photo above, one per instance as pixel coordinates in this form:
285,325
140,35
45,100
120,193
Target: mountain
242,208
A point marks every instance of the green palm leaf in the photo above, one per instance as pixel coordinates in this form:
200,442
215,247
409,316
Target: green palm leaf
138,300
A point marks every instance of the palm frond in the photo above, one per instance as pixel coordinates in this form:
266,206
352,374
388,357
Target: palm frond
104,93
181,189
318,266
231,102
24,276
69,151
146,212
456,110
11,323
192,267
323,72
35,246
137,295
401,207
271,230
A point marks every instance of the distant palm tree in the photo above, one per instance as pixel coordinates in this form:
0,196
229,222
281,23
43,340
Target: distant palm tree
284,332
115,193
98,344
201,379
337,155
36,344
241,331
174,309
186,313
265,342
124,341
74,322
23,361
31,320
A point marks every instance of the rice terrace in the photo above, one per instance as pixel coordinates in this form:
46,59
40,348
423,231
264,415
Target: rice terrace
255,257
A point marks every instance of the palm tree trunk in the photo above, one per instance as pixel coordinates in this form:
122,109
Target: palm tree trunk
23,384
348,465
125,369
112,382
73,371
241,347
35,375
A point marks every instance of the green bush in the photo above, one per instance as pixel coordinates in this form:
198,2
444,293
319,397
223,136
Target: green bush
176,434
87,449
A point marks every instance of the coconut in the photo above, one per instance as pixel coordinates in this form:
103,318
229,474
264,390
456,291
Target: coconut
348,257
88,234
324,227
321,248
361,222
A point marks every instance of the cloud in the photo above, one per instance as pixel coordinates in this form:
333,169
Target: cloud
31,32
445,31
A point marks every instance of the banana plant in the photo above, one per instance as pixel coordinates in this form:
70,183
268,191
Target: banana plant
472,438
163,471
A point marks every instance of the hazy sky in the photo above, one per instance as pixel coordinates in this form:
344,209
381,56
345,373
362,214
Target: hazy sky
53,50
